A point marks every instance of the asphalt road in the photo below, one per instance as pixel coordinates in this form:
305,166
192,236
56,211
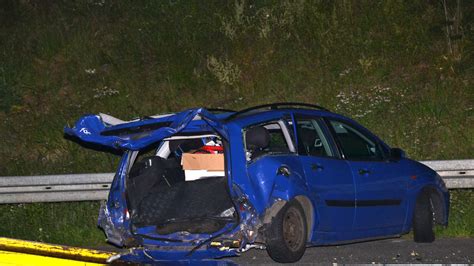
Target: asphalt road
387,251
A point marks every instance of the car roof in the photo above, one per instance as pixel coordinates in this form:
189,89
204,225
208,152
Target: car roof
139,133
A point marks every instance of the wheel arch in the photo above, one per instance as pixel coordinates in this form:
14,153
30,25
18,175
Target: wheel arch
307,209
308,213
438,203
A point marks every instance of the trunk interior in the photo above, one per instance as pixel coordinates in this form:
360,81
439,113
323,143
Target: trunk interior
161,194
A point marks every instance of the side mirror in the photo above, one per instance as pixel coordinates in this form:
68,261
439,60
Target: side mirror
396,154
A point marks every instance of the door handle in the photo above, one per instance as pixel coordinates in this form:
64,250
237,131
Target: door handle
284,171
364,171
317,167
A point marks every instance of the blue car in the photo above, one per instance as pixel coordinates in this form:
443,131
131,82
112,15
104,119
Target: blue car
202,183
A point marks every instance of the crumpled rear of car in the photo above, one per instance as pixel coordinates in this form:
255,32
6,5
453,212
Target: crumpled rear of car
158,203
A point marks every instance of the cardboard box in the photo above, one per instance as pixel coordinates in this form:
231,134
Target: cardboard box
203,161
198,165
190,175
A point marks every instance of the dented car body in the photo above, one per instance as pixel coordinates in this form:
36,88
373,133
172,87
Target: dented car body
284,176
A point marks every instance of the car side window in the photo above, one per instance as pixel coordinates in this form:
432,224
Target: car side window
265,139
311,138
354,144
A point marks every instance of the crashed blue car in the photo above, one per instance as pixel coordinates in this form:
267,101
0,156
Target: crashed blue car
203,184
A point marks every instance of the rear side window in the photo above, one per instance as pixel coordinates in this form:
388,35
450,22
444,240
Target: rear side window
354,144
277,140
265,139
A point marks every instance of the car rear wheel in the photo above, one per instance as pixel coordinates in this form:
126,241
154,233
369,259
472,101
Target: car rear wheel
423,219
287,234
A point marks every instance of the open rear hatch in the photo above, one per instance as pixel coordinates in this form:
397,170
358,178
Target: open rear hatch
171,190
138,134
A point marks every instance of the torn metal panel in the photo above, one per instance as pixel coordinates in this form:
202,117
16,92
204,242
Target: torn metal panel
138,134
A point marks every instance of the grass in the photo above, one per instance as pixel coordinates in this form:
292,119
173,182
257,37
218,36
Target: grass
461,215
387,64
68,223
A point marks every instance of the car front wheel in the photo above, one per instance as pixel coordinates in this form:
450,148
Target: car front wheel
287,234
423,219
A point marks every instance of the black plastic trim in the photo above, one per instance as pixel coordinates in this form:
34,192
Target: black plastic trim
363,203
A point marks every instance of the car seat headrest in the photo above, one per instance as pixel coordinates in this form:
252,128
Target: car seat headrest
257,138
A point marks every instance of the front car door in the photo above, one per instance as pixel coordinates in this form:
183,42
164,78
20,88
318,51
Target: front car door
380,184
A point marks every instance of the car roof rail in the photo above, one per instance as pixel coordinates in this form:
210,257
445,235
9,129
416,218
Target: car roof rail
274,106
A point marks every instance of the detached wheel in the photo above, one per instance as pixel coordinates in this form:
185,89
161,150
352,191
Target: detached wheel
423,219
287,234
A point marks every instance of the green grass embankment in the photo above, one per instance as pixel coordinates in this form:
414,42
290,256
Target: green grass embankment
387,64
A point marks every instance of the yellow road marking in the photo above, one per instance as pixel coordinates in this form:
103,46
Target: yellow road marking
50,250
17,259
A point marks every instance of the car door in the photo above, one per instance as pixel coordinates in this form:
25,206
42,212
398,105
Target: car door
380,184
329,178
265,162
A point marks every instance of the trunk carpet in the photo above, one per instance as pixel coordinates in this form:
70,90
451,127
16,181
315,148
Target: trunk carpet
184,205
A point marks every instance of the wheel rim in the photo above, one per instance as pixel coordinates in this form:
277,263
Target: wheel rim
293,229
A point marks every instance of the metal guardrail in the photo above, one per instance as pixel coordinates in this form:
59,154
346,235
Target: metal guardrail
81,187
55,188
455,173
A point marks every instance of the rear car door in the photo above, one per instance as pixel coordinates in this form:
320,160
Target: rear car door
269,161
329,178
380,184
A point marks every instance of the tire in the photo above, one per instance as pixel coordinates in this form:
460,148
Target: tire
287,234
423,219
